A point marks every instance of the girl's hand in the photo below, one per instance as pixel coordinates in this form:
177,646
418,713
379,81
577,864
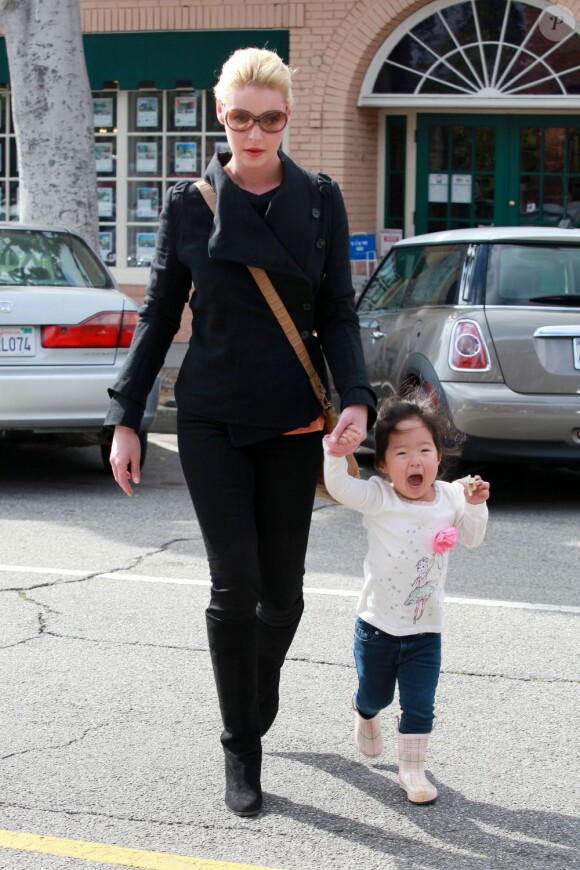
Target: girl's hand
349,432
126,457
476,489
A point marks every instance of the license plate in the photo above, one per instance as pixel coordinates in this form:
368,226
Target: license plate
576,353
17,341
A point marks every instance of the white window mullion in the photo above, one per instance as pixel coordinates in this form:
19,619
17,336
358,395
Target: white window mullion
122,174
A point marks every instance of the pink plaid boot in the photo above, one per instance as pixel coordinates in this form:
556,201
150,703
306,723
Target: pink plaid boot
367,733
412,779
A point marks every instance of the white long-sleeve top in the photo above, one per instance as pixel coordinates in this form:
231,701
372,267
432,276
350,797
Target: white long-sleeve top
403,577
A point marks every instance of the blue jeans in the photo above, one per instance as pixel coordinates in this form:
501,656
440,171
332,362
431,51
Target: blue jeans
413,661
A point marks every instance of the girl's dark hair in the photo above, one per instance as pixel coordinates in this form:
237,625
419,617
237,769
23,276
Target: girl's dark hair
416,402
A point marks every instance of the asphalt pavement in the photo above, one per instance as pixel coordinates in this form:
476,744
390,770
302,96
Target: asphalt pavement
109,718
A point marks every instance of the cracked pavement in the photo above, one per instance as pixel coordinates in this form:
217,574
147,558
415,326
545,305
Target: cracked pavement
109,720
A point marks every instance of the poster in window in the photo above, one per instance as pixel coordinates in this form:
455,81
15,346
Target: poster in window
147,202
106,246
147,112
103,111
438,187
186,157
145,248
461,188
147,157
105,200
186,111
104,156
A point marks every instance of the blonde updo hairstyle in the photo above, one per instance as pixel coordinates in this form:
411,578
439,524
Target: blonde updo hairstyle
259,67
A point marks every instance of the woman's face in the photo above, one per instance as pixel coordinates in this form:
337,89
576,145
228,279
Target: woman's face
254,148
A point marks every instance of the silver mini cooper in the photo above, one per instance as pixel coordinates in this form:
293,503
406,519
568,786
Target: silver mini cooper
487,321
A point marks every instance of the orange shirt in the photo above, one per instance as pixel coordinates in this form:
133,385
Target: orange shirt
316,426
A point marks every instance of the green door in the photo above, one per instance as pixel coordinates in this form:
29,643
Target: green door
477,170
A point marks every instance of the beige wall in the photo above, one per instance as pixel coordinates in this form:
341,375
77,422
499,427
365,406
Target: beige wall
332,42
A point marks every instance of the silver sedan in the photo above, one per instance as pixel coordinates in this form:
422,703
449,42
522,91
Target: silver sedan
65,331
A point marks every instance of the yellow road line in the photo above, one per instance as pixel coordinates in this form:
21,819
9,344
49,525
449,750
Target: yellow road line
119,855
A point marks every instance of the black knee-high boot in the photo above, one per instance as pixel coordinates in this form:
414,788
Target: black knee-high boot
273,644
234,655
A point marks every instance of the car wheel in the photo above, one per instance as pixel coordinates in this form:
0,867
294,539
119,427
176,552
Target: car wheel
106,452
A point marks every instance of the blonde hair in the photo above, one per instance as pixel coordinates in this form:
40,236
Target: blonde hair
254,66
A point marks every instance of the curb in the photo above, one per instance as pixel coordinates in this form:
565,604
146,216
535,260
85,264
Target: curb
165,421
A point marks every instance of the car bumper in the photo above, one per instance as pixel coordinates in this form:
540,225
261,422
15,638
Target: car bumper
59,399
501,424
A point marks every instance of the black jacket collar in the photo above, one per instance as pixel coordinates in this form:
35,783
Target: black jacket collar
277,243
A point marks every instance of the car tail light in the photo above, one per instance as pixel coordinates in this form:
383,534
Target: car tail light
105,329
128,324
468,351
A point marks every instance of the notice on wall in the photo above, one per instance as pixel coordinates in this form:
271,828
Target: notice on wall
147,202
186,111
104,156
106,247
186,157
147,112
461,188
103,111
145,248
438,187
146,157
389,237
105,201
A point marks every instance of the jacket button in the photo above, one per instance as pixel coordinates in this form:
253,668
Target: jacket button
315,212
320,243
304,334
307,307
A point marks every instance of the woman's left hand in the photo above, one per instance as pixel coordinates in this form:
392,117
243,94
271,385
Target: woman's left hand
342,442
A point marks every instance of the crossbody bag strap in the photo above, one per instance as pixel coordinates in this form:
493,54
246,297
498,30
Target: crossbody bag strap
278,308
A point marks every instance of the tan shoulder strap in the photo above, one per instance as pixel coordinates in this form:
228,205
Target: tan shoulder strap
278,308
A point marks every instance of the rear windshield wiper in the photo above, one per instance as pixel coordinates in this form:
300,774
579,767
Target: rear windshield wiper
572,300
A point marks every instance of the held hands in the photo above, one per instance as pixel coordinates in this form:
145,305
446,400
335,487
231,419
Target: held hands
126,457
476,489
349,432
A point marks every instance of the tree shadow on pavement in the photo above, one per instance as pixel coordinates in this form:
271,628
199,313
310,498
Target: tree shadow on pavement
473,835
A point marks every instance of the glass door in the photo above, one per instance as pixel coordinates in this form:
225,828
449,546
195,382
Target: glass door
461,167
548,151
497,170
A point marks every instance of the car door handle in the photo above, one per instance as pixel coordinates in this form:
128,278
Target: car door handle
377,335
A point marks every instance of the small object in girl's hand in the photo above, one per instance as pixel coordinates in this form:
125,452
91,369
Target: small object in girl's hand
471,484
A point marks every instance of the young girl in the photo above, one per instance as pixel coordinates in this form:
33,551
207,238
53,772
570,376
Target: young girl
412,521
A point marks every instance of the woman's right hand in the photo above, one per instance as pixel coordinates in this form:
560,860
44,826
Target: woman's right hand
126,457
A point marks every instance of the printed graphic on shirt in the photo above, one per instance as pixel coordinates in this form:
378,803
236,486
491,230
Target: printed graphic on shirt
423,586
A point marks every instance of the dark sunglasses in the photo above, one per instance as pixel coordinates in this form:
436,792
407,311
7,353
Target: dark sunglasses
241,121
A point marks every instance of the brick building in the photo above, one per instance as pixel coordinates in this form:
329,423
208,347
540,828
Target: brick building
430,114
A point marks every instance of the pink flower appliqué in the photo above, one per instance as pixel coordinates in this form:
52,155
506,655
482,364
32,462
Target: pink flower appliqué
445,540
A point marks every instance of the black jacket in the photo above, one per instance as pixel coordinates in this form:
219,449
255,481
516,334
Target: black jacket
240,368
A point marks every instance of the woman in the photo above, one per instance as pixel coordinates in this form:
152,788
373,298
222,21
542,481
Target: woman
249,425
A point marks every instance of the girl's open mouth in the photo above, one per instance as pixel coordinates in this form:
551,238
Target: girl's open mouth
415,480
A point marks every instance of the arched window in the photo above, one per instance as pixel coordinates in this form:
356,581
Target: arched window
490,51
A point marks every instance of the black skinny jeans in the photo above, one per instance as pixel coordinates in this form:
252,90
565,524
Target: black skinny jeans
254,506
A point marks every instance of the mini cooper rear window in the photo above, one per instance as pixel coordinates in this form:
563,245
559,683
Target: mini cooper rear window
522,275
